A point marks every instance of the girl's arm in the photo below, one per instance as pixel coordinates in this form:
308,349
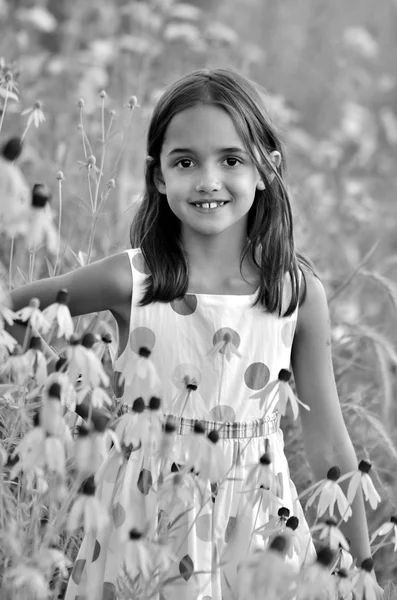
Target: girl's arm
102,285
326,440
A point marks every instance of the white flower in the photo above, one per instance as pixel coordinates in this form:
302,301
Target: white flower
59,312
285,394
226,347
133,427
138,366
83,361
188,402
204,456
361,477
365,586
344,585
97,396
68,391
386,529
315,580
36,361
38,449
87,510
329,492
27,582
42,230
275,525
33,314
14,192
330,532
139,557
35,113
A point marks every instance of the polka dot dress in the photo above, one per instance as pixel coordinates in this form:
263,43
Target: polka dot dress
212,353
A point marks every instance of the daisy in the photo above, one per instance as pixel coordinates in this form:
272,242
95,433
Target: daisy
329,492
36,361
203,456
98,397
83,361
34,316
331,534
68,391
361,477
87,511
275,525
188,402
283,394
14,191
51,412
344,584
364,583
105,343
41,227
35,480
91,448
58,313
138,366
131,427
38,449
26,581
226,347
16,367
36,115
386,529
139,557
293,536
315,580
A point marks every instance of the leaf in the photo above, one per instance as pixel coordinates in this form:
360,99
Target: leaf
23,275
50,268
83,258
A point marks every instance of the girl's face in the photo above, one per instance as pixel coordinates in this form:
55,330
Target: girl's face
203,164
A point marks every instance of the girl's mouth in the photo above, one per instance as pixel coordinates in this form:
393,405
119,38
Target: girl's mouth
209,206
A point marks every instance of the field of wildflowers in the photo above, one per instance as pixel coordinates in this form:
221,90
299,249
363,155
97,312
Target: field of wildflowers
70,176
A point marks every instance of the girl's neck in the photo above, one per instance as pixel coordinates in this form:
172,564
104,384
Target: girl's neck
214,266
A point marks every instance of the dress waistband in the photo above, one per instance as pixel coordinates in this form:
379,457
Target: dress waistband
229,429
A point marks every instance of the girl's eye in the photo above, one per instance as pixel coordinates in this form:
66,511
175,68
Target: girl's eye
182,163
233,161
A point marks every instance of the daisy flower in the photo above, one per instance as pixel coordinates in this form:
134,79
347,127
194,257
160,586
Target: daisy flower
98,397
14,191
91,448
26,581
38,449
156,423
386,529
203,455
331,534
16,367
36,115
105,343
138,366
139,557
293,536
51,412
36,361
266,575
315,580
132,426
282,394
41,227
275,525
364,583
361,477
35,480
344,585
87,511
261,480
83,361
68,391
226,347
33,314
58,313
329,492
188,402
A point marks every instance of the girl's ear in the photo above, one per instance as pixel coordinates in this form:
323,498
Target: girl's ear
275,157
157,176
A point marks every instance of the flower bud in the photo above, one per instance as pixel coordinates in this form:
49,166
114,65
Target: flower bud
138,405
213,436
60,176
88,340
364,466
367,564
265,459
102,94
37,105
133,102
91,161
80,103
283,512
325,556
54,391
111,184
292,523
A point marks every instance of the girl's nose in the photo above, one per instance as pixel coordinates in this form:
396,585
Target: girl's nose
208,182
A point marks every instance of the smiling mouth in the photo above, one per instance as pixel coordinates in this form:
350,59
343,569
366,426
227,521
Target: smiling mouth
210,205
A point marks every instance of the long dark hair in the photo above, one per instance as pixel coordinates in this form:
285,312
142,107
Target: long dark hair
156,229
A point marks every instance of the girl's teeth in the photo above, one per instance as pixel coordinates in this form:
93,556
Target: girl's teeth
210,205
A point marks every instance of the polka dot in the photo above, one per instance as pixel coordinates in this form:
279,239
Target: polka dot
185,306
145,481
186,370
97,551
186,567
142,336
139,264
109,591
231,524
204,528
287,333
230,334
223,413
78,570
118,514
256,376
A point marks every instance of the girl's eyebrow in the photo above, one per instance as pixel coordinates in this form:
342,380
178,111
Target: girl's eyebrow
233,149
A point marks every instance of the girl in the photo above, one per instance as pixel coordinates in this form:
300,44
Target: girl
215,294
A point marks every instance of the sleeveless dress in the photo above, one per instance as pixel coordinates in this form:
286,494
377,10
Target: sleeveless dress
189,341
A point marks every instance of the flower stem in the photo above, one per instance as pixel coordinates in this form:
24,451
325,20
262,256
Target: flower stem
4,108
11,265
59,225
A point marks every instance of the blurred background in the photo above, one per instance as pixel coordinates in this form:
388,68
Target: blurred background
330,71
